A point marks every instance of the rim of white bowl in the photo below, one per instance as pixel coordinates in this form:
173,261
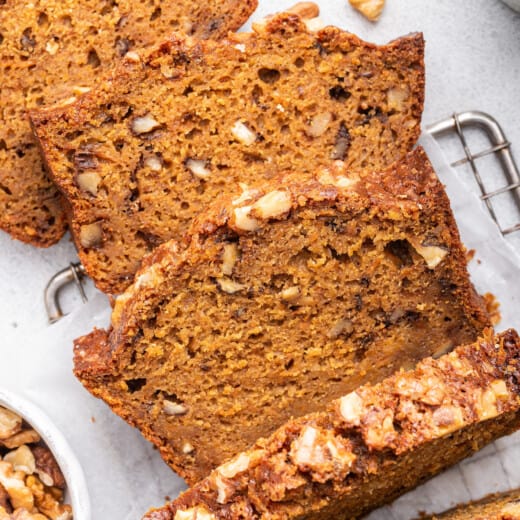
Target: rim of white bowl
74,477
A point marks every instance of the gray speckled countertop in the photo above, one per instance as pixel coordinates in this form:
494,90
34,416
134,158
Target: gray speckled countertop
473,62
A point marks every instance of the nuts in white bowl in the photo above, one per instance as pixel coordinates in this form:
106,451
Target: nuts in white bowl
40,478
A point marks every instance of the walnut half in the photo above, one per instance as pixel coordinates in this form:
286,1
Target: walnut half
371,9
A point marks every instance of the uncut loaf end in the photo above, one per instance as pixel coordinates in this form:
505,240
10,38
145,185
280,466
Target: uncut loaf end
286,297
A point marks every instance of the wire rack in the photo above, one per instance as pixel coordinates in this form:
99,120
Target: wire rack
499,146
458,125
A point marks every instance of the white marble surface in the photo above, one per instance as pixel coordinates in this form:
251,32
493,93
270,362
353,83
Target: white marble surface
473,62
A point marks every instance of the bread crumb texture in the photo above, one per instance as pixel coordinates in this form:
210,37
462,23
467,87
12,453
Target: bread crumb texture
222,341
371,445
169,134
54,50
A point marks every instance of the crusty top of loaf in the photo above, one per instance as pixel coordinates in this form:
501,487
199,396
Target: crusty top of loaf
173,129
315,460
498,506
54,49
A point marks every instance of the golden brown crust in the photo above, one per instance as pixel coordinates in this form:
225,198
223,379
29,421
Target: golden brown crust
292,293
53,49
178,125
499,506
314,466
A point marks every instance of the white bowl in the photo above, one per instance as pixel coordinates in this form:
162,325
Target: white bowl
76,493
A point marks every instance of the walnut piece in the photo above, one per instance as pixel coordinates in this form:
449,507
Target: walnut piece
229,258
273,204
198,167
448,419
90,235
225,489
46,502
235,466
319,124
371,9
144,124
305,10
154,163
174,408
23,514
10,423
78,90
243,134
89,182
244,221
4,500
22,459
322,453
194,513
187,448
229,286
52,47
13,482
247,194
133,57
290,294
47,468
433,255
24,437
351,408
380,431
343,326
327,177
396,97
314,24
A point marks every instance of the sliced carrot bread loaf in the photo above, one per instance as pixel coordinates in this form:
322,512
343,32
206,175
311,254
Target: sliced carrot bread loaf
369,446
139,157
286,298
503,506
53,49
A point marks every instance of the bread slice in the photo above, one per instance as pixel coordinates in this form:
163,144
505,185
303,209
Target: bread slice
53,49
500,506
287,298
139,157
371,445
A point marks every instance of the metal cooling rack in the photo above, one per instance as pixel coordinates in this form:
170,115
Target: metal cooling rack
75,274
499,146
457,124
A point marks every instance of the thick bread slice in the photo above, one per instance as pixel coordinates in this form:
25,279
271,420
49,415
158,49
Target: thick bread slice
139,157
54,49
371,445
500,506
287,298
